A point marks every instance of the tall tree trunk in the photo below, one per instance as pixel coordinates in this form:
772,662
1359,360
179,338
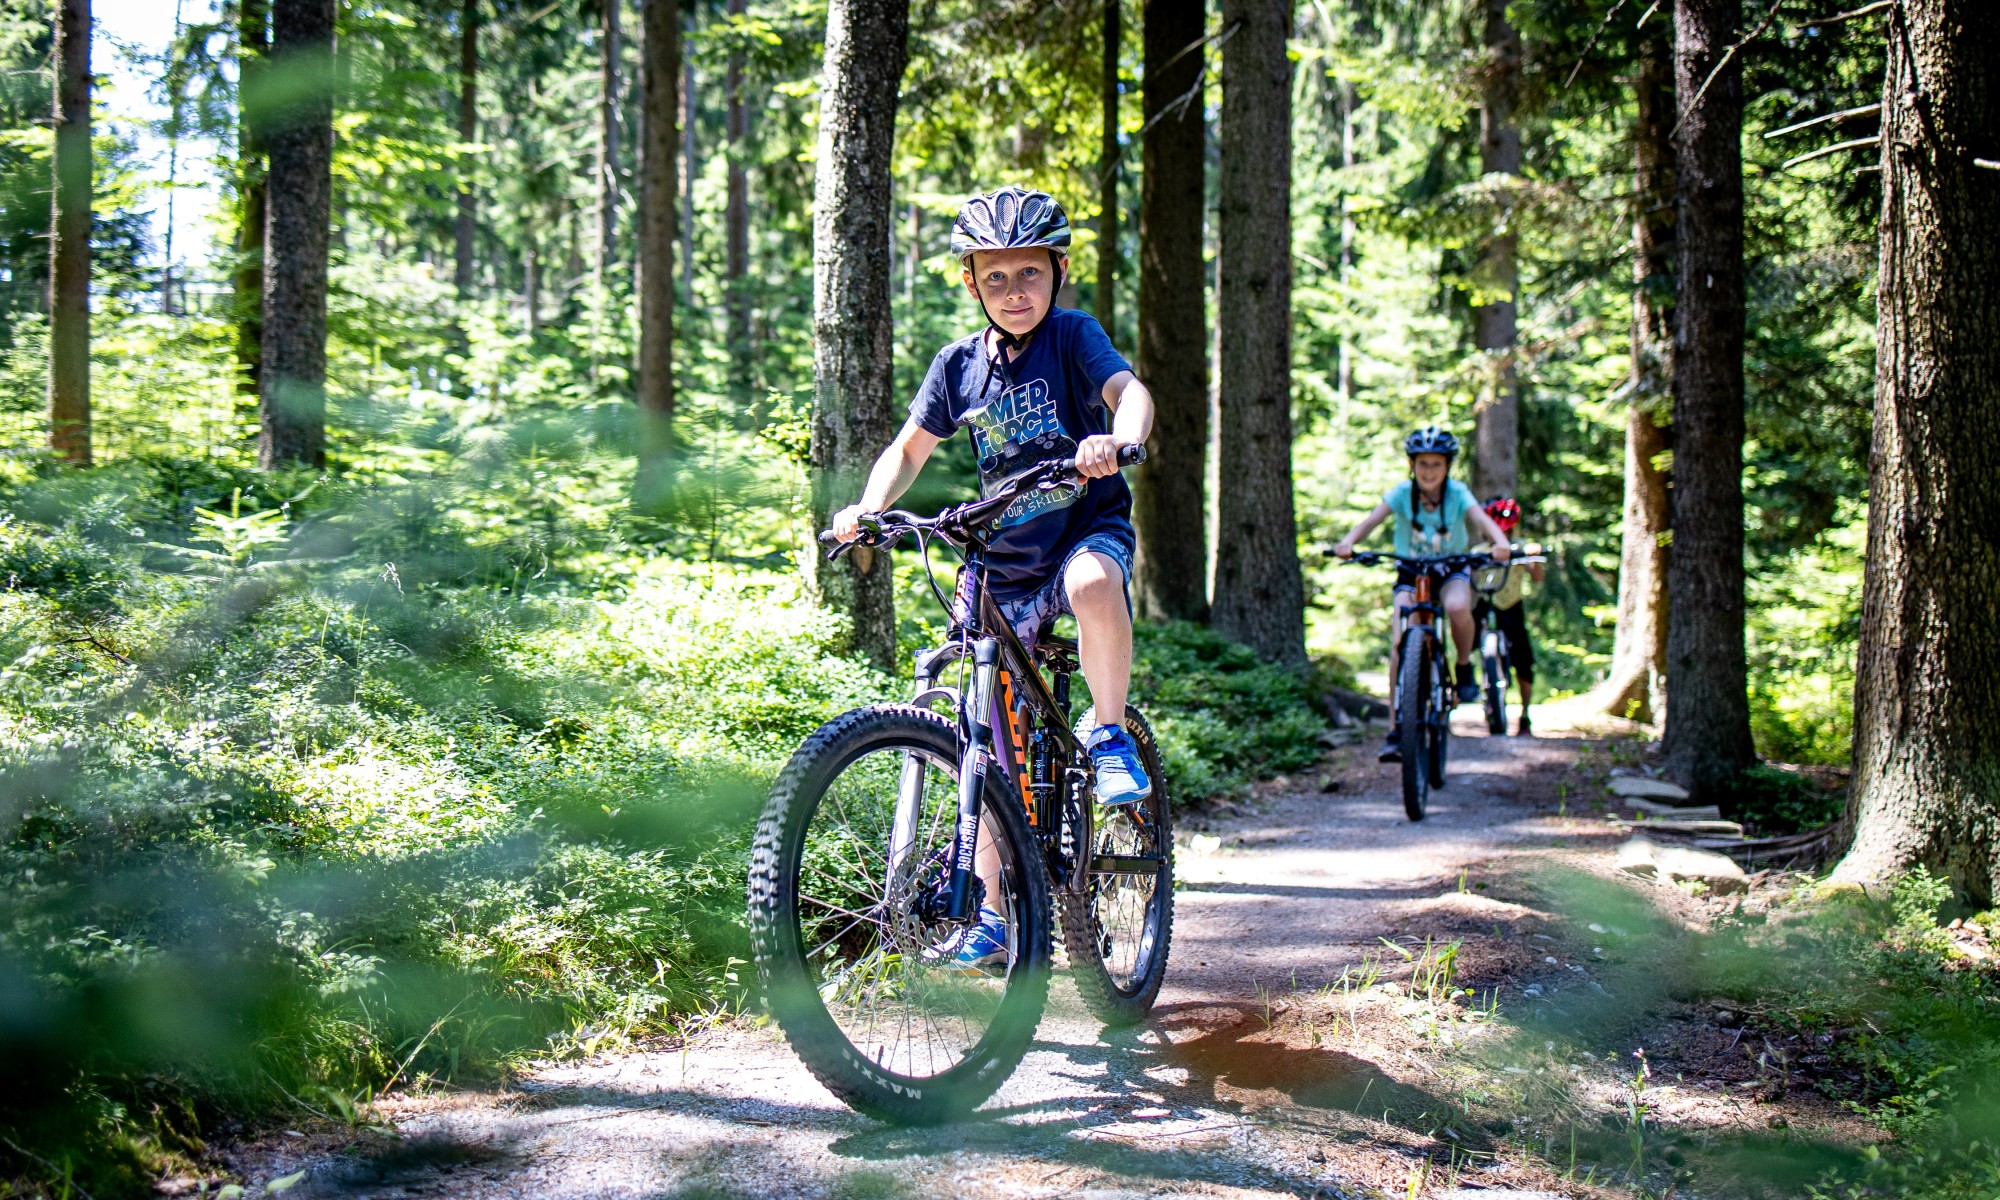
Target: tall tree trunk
295,239
1927,676
690,171
69,242
1634,688
1259,591
531,280
854,414
1707,742
607,150
1171,574
736,217
1107,173
660,81
253,43
468,130
1496,436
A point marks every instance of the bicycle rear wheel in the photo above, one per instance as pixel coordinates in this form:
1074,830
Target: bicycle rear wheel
1118,932
1414,692
847,920
1496,683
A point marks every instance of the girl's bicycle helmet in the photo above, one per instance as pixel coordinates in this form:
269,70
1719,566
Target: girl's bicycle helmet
1431,440
1505,511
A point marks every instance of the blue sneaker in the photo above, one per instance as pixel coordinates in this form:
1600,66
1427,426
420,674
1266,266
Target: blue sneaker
1120,778
981,946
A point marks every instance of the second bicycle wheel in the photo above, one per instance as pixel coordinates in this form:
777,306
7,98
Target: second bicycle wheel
1496,683
1119,931
859,964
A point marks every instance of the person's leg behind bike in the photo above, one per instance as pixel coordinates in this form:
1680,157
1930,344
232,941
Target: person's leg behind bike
1513,622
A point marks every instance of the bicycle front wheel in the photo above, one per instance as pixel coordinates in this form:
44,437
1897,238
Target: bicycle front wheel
1118,931
859,964
1414,720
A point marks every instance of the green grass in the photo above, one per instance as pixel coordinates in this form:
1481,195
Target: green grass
311,789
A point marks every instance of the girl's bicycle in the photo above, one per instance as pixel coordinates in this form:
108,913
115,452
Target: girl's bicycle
1496,663
1423,695
894,824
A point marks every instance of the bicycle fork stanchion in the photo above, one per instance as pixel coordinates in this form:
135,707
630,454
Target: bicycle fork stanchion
972,778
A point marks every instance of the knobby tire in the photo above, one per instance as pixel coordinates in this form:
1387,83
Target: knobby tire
1413,692
788,980
1110,1000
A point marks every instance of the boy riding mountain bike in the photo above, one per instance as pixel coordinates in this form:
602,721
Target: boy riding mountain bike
1039,383
1507,611
1435,515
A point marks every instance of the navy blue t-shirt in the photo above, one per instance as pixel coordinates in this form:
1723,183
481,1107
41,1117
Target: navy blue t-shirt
1021,415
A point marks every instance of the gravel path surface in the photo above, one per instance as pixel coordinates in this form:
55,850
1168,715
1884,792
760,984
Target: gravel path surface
1206,1099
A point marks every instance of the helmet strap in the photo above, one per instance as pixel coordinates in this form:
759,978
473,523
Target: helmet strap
1011,347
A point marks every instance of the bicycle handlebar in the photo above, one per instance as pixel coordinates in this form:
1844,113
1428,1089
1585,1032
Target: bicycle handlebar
957,523
1370,558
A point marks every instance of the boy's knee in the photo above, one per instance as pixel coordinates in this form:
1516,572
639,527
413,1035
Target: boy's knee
1092,581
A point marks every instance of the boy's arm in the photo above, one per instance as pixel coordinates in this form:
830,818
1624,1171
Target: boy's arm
890,477
1376,515
1131,424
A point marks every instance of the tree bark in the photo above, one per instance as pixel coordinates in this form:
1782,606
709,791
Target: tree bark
1927,676
660,82
1707,741
1259,591
69,241
468,130
607,150
1496,435
1171,571
690,171
736,217
1107,174
253,43
1635,686
296,233
854,414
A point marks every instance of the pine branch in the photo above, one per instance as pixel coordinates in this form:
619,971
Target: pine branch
1836,148
1845,113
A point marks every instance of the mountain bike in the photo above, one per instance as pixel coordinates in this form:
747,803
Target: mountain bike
894,824
1496,663
1424,694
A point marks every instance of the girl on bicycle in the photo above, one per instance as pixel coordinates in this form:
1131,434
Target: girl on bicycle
1435,515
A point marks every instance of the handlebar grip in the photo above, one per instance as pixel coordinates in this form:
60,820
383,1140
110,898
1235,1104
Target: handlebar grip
1131,456
828,538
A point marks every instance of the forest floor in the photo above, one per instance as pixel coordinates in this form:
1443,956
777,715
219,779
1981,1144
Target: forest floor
1343,990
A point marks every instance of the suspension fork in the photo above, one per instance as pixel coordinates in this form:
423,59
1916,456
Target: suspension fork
972,768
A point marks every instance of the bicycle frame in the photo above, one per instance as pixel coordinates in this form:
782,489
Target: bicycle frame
1006,685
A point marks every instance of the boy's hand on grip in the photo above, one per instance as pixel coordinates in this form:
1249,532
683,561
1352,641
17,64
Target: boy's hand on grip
1097,456
847,522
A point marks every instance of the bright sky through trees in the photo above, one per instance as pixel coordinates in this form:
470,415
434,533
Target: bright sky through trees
129,42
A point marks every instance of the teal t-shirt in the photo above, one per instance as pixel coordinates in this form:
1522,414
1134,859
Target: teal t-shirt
1426,533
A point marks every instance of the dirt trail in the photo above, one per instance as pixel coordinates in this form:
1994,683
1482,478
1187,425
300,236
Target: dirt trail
1204,1100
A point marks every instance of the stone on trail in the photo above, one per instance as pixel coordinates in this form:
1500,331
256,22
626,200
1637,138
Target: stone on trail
1650,789
1643,857
1686,812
